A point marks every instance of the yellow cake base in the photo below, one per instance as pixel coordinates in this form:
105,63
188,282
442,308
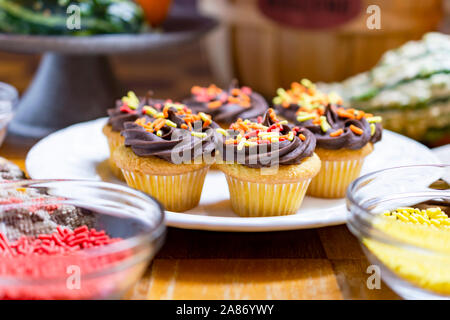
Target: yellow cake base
114,141
339,169
177,186
255,193
176,193
250,199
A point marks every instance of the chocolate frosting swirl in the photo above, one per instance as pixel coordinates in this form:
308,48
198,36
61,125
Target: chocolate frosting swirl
281,153
117,118
348,139
175,145
230,112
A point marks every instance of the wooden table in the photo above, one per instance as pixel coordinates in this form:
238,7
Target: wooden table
324,263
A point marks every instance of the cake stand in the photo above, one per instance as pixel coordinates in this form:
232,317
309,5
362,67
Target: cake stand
75,81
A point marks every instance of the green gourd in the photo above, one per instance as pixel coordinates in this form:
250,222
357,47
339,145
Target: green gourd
49,17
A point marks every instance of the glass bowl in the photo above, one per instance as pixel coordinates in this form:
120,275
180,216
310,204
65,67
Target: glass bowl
34,208
9,98
413,259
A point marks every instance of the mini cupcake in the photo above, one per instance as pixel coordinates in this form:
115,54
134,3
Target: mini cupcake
167,154
268,166
129,108
227,106
344,136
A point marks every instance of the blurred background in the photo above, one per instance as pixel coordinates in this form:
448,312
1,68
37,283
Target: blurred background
267,44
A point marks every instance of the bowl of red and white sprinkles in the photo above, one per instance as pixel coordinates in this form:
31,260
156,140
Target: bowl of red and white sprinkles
67,239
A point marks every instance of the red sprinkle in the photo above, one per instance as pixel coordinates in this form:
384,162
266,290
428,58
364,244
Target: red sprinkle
64,239
127,109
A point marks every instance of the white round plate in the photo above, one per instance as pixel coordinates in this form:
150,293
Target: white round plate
80,152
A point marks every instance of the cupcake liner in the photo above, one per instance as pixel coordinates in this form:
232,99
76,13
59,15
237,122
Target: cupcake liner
177,192
251,199
334,178
113,145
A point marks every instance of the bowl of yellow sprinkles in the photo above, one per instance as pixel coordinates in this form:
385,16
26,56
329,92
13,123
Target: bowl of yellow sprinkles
401,217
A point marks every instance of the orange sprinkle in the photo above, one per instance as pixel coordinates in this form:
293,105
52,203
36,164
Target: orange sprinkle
360,114
316,120
159,123
196,90
336,133
234,100
356,130
235,92
183,126
166,111
345,113
245,104
272,115
206,123
214,104
302,137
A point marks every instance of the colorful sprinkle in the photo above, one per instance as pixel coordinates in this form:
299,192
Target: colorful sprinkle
222,131
254,133
324,125
374,119
201,135
373,129
337,133
131,100
171,123
305,117
356,130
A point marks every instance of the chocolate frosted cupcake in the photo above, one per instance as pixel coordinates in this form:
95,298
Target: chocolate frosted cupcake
268,166
167,154
344,136
227,106
129,108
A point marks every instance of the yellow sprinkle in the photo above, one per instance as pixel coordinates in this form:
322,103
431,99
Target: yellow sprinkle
199,134
131,100
222,131
204,116
171,123
307,83
324,125
149,110
373,128
277,100
435,222
402,217
291,135
159,133
375,119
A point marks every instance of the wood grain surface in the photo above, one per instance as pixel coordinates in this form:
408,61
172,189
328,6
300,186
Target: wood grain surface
324,263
